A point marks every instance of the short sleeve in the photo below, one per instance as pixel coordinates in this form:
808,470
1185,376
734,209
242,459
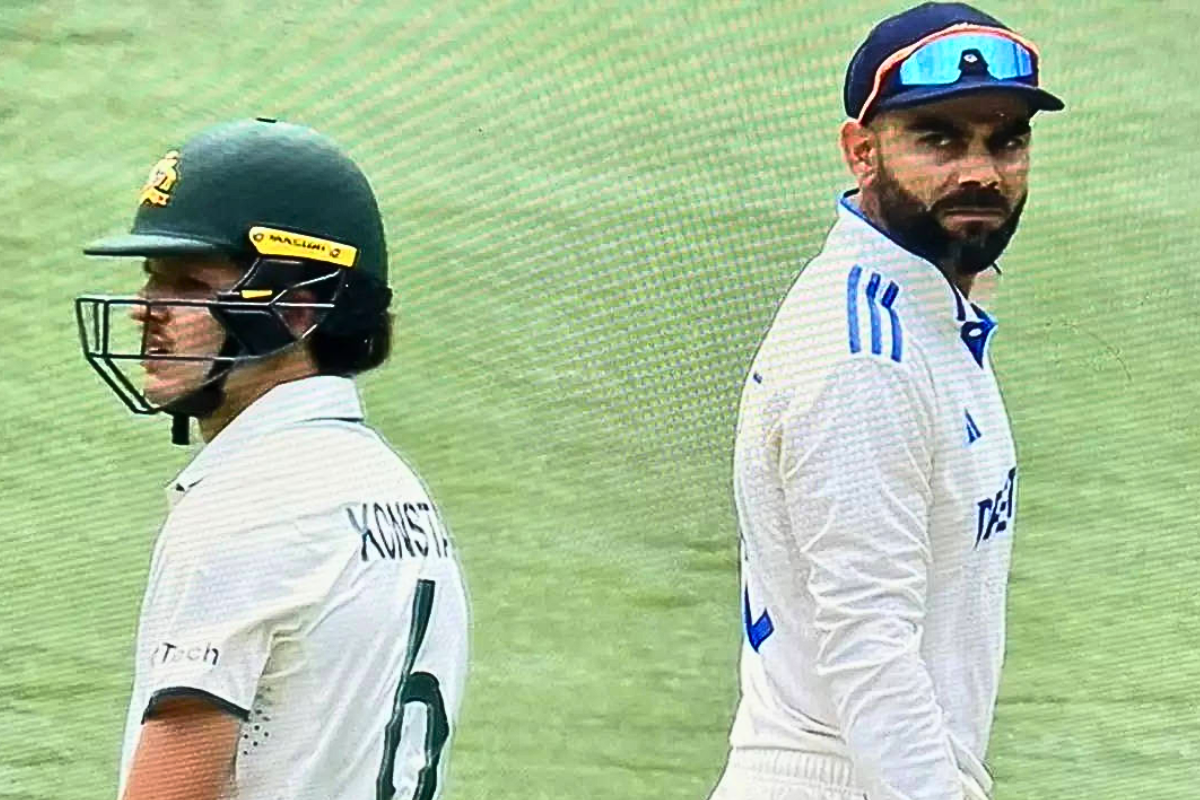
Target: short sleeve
222,590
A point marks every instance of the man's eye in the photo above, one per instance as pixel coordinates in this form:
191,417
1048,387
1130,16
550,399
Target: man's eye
177,286
938,140
185,284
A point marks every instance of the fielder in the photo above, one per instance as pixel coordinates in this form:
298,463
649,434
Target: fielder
875,475
304,630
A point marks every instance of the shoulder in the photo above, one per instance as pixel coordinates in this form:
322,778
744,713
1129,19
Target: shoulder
839,310
307,469
334,457
839,338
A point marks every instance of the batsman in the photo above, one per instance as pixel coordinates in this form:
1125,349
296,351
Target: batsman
304,630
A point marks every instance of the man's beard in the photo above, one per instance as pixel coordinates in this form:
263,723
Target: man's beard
916,228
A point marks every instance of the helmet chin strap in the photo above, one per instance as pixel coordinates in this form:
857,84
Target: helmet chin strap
203,401
179,429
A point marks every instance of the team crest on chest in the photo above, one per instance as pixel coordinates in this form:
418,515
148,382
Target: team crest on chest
161,181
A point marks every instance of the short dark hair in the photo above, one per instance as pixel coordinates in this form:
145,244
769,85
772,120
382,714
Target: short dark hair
347,355
352,338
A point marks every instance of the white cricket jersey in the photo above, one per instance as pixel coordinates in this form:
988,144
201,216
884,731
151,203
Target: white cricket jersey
305,582
875,484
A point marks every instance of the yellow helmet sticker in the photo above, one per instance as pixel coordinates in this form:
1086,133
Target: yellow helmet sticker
275,242
162,179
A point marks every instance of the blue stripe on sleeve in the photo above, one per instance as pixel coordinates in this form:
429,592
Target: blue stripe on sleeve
889,297
876,329
852,307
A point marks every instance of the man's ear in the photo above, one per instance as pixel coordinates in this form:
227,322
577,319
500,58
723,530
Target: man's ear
300,319
860,151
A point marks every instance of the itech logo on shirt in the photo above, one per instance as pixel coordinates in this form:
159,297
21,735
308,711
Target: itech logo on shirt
996,512
170,653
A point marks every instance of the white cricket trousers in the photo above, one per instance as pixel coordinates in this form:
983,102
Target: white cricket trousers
791,775
785,775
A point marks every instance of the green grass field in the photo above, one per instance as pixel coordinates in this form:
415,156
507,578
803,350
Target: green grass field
593,210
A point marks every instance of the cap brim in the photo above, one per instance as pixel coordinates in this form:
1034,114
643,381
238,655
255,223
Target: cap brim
149,244
1039,99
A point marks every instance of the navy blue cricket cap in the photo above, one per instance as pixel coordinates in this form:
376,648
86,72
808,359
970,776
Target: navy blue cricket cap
890,42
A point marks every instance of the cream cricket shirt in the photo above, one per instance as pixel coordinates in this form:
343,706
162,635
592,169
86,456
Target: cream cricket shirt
305,582
875,483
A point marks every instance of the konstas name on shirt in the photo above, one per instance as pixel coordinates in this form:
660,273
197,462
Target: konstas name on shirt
396,529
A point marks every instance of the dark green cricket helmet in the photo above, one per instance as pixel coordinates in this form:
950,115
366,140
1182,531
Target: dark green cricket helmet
238,179
280,200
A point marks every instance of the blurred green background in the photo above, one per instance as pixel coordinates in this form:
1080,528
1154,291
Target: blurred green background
593,210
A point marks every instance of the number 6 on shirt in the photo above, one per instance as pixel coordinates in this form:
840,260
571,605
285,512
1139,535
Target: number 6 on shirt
422,688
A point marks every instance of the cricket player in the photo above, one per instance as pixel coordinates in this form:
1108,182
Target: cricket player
304,631
875,475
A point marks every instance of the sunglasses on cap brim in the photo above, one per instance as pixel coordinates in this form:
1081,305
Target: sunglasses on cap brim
942,58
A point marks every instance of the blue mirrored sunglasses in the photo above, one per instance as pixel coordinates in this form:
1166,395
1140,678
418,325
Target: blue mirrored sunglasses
943,61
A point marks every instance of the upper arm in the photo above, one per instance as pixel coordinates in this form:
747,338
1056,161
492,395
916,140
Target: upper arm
220,594
218,599
185,751
856,471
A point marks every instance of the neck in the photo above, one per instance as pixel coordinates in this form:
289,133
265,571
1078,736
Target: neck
248,383
870,208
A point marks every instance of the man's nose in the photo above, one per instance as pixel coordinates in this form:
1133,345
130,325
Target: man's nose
979,169
145,312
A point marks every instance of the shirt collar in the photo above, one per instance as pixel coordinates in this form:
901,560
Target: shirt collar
316,397
922,280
